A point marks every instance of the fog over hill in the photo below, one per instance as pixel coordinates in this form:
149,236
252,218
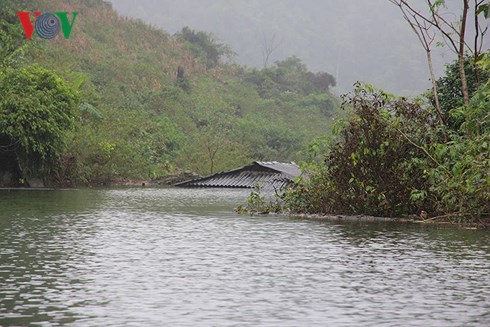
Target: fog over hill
353,40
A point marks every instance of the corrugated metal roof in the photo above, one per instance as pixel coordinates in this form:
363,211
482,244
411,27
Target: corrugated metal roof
290,168
271,174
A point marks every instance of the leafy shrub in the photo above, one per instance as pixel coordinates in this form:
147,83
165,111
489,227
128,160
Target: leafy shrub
36,109
376,164
462,180
449,89
389,160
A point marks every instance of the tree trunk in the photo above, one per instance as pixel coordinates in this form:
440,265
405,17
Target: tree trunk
436,95
462,74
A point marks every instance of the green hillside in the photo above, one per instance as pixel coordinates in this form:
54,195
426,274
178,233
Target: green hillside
151,104
348,38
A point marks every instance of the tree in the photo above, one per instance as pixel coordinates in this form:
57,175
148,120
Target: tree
454,33
268,47
36,108
449,88
204,45
426,37
322,81
290,75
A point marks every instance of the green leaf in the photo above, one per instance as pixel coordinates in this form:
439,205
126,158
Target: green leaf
485,9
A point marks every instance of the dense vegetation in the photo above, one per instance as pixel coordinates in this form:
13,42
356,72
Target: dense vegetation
36,108
146,104
390,158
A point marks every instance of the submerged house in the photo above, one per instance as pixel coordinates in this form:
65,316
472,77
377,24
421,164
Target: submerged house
269,174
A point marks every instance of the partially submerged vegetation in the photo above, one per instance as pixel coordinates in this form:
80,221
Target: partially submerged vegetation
390,159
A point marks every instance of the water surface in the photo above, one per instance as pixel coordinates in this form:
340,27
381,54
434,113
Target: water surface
181,257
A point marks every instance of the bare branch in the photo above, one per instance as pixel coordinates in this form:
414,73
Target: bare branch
421,28
268,47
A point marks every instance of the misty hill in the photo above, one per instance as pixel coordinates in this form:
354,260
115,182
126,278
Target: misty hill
354,40
153,102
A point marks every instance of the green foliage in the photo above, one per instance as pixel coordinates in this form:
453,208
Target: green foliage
13,45
257,203
462,180
449,89
388,160
204,46
484,9
371,169
36,108
150,104
130,146
289,76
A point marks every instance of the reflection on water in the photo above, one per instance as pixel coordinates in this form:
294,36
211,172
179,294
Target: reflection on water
179,257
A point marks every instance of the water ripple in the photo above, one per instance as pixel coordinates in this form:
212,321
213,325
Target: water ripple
144,257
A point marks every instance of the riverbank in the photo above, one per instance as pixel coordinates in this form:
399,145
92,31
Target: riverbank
116,182
270,205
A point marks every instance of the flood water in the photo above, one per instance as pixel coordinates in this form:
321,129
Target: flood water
181,257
